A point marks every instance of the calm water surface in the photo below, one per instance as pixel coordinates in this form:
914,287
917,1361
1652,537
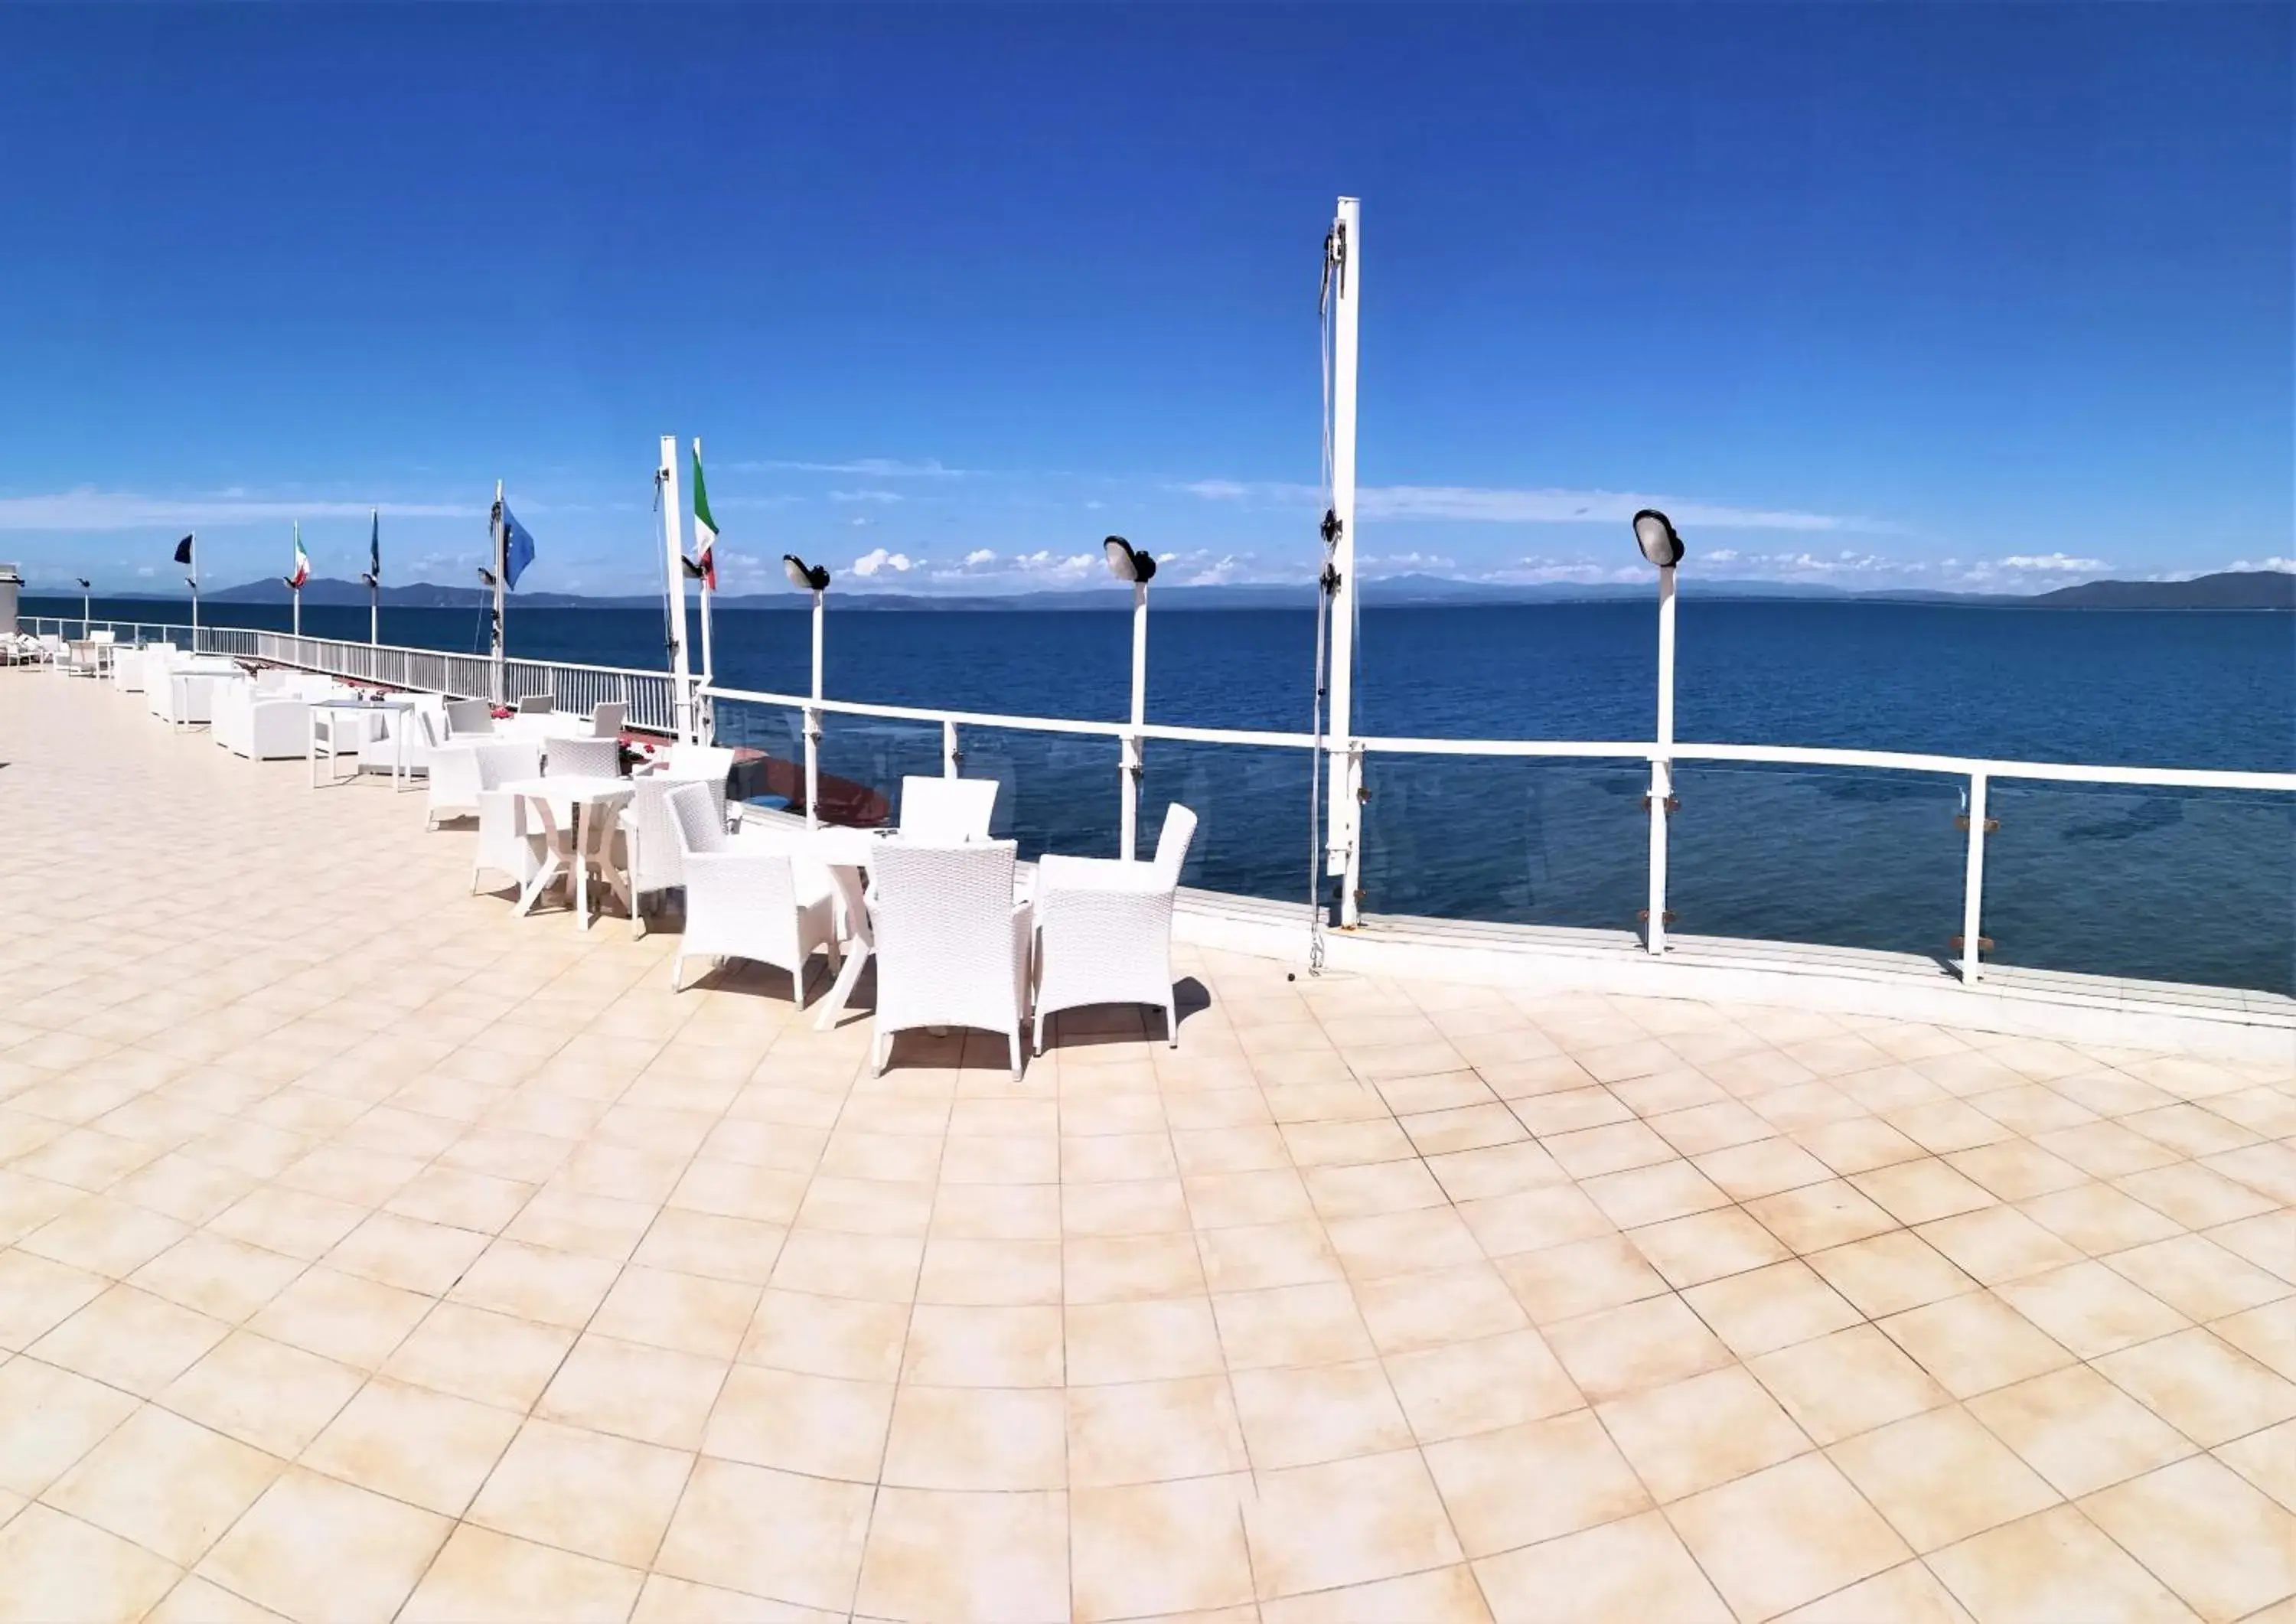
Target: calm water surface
2195,886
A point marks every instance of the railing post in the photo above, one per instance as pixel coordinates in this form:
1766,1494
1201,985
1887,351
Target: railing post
1661,784
1973,887
952,754
812,766
1127,806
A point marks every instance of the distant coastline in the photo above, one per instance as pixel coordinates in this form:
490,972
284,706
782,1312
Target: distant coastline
2258,590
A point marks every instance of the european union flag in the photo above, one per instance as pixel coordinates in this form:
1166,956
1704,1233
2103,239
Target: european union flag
518,549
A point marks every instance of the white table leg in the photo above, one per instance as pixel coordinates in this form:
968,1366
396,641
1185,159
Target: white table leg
857,948
580,816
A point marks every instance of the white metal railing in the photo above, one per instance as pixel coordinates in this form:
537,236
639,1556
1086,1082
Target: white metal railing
1977,773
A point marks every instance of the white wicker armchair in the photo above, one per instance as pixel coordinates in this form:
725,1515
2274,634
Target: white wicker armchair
261,724
582,758
1104,929
425,727
652,855
741,901
469,716
952,945
453,780
947,810
509,841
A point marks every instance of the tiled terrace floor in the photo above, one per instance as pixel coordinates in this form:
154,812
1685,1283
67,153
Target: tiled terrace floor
370,1255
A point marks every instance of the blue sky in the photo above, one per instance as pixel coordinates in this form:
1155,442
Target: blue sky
1992,296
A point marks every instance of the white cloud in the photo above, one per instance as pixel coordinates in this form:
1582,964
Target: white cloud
1405,562
979,558
2286,566
1722,555
1478,504
878,560
2059,562
864,495
88,509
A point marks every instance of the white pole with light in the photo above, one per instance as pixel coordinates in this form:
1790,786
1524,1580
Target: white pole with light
1654,534
673,528
813,579
86,626
705,570
495,578
1128,562
187,553
1344,839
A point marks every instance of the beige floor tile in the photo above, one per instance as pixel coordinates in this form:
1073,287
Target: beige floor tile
1150,1342
1635,1568
1940,1477
993,1559
1360,1192
1246,1258
2091,1310
984,1347
1346,1522
651,1394
1849,1382
961,1272
2105,1150
1814,1217
2268,1241
1298,1417
2267,1335
1152,1432
814,1424
1764,1167
1918,1191
1165,1547
2054,1566
426,1448
56,1567
1532,1482
1534,1220
2195,1196
195,1601
1770,1308
313,1548
1481,1386
589,1226
1907,1594
291,1222
2202,1385
482,1577
535,1283
2267,1459
1887,1274
49,1418
470,1353
827,1336
1997,1244
776,1534
1654,1194
1706,1246
1219,1201
684,1313
2199,1279
170,1486
1289,1325
2225,1548
2097,1218
2016,1170
977,1438
131,1340
263,1392
1975,1343
226,1279
340,1317
1406,1313
2080,1432
104,1236
1641,1345
715,1247
1113,1208
583,1491
1699,1432
677,1601
1785,1535
1563,1282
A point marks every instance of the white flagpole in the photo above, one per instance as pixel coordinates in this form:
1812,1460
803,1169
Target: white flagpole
702,720
1344,857
374,580
194,580
673,529
502,557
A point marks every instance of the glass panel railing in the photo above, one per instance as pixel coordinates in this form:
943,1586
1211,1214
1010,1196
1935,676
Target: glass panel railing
1251,804
1840,857
2148,885
1055,792
776,781
1527,841
863,759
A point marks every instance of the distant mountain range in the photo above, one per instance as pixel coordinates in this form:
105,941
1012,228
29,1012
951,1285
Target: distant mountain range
2246,589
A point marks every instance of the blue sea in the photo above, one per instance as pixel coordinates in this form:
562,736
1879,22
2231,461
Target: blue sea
2176,885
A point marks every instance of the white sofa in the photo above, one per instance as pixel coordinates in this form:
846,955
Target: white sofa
261,725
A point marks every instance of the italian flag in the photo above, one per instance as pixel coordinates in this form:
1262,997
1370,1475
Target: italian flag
705,529
302,562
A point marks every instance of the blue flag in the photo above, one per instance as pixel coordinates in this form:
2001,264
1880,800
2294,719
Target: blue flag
374,546
518,549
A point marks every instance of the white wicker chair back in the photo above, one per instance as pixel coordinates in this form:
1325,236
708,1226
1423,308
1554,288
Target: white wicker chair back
946,810
948,953
582,758
538,704
469,716
697,824
1179,831
606,720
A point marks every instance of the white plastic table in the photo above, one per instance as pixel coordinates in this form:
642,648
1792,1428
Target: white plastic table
568,803
399,777
846,854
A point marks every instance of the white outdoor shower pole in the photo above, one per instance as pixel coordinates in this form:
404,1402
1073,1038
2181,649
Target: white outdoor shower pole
681,676
1661,786
813,725
1344,854
1132,741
